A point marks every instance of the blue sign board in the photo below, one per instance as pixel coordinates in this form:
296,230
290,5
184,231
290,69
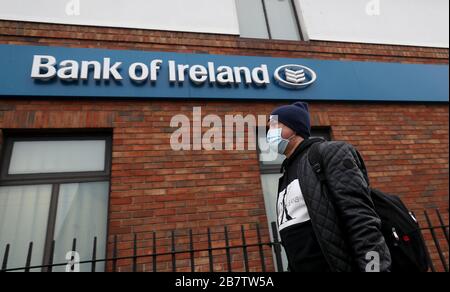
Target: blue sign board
42,71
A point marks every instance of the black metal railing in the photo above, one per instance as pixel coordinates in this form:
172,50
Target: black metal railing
235,248
116,261
438,240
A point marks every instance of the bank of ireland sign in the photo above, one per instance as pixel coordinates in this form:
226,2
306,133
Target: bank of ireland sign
59,72
47,67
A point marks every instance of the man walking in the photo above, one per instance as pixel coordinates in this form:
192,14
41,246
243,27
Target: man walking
334,231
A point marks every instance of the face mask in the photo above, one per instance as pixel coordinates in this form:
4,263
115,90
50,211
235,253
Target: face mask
276,142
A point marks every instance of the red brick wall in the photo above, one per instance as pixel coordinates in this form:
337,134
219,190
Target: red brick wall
136,39
156,189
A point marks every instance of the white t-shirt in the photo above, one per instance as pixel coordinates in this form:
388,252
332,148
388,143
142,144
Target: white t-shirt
296,210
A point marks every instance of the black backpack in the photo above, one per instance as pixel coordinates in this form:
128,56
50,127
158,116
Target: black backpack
398,225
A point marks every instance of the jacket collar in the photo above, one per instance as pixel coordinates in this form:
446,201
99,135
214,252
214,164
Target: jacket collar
305,144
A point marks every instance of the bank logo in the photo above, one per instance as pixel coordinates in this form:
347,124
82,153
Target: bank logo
295,76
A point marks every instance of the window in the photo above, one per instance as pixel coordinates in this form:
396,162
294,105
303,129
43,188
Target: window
269,19
270,174
54,189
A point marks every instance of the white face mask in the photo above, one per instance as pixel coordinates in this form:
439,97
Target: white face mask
276,142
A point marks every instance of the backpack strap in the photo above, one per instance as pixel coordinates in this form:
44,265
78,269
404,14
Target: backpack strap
363,167
315,160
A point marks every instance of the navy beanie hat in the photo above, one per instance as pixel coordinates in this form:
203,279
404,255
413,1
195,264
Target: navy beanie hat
296,117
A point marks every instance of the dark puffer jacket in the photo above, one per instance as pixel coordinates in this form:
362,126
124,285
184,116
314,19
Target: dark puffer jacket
349,228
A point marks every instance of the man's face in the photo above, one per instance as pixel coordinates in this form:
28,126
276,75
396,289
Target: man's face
286,132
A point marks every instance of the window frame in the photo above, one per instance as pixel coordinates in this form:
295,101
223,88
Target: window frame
55,180
266,19
7,179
